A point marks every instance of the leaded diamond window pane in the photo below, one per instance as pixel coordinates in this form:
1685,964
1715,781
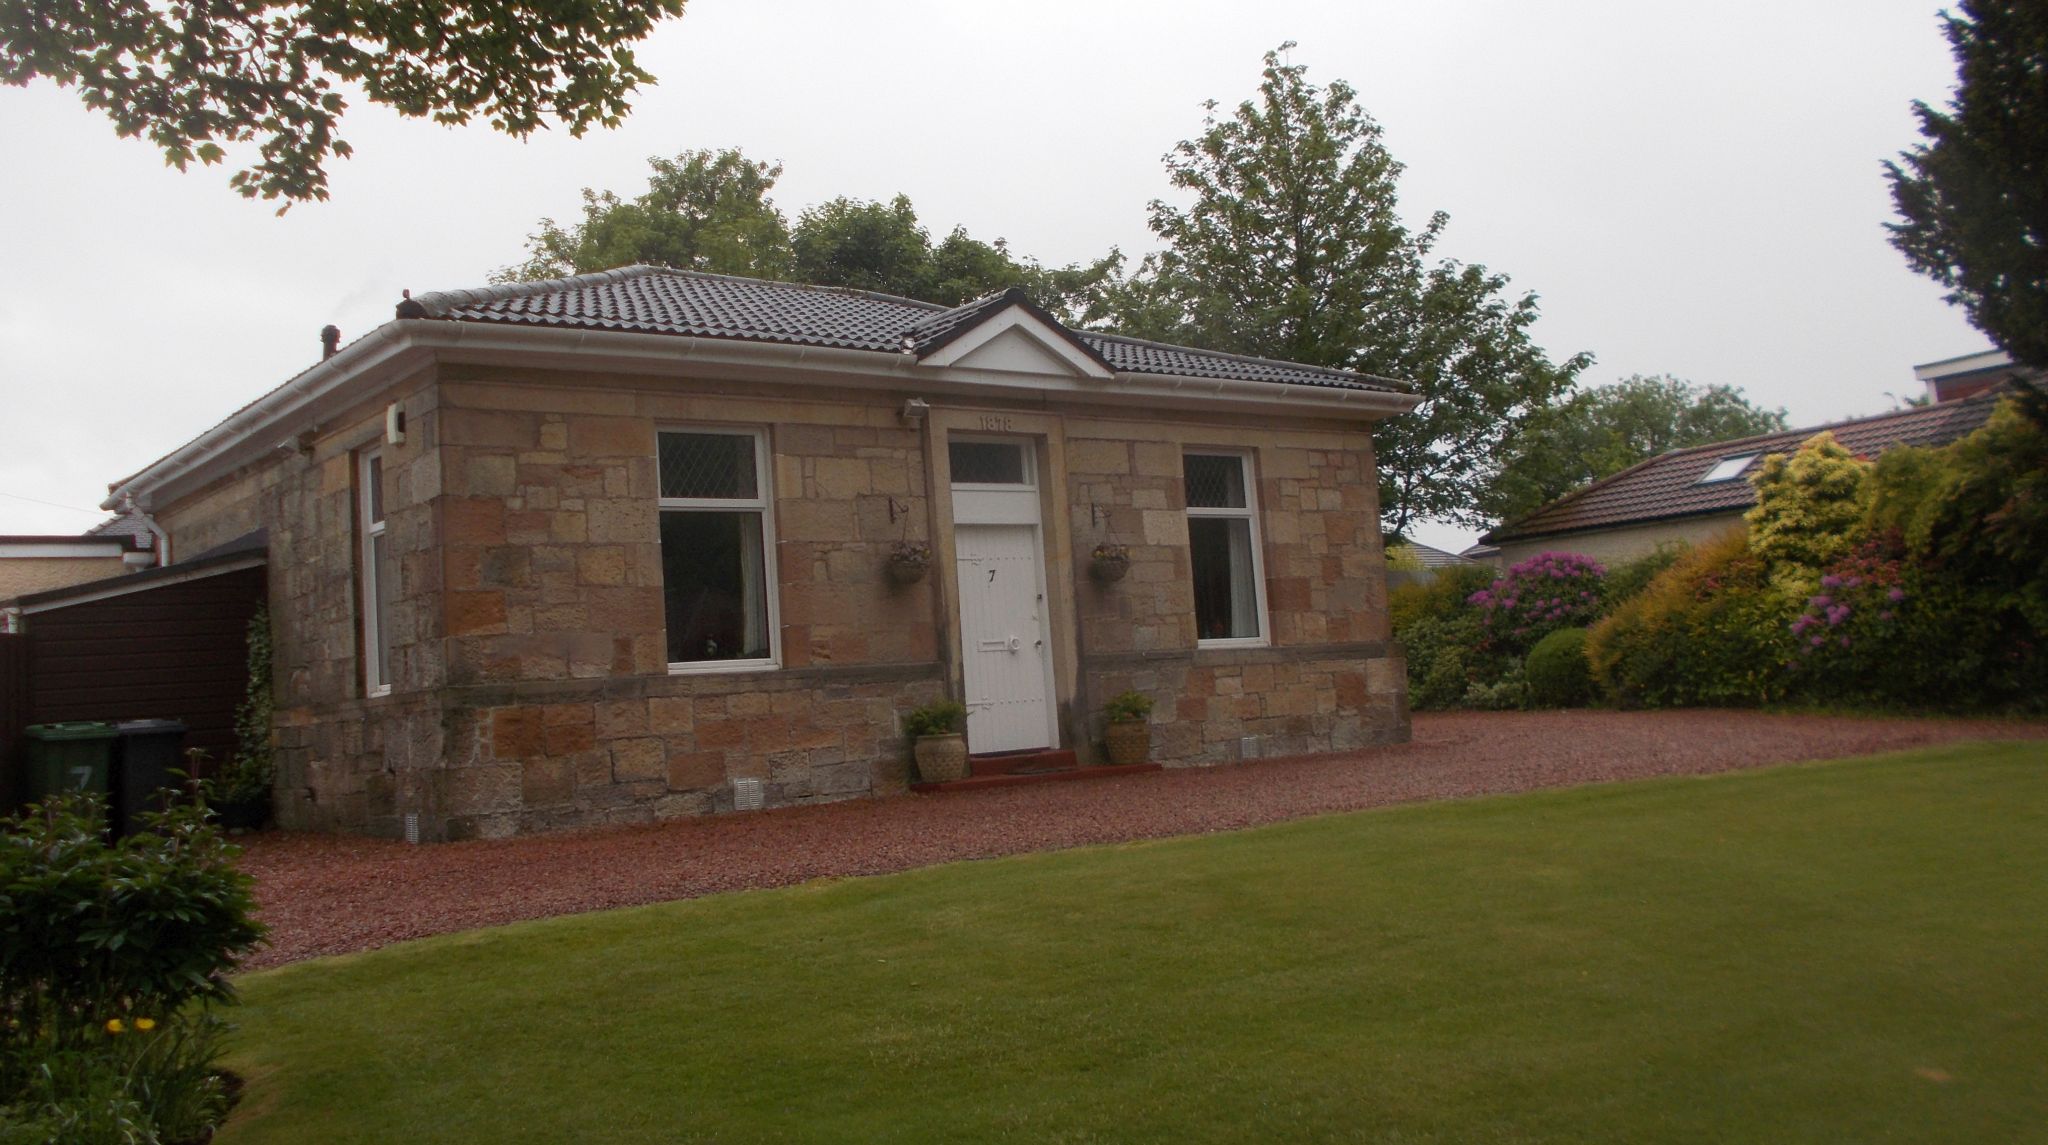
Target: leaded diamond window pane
708,465
987,462
1214,482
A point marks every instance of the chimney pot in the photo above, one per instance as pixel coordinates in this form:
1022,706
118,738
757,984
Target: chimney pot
330,341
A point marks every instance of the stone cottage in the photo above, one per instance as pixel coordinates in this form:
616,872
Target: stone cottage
622,547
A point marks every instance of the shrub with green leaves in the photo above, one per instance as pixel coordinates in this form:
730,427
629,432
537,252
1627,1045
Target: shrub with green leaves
1808,508
1506,692
1557,672
1711,630
1976,509
1627,579
110,953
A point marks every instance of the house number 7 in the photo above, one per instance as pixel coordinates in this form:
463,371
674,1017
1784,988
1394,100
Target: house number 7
991,580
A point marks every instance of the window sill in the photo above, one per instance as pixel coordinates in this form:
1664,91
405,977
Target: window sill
722,667
1235,642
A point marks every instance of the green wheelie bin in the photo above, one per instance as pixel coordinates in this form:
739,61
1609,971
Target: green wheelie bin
68,757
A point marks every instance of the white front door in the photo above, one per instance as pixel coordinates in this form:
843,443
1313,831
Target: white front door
1007,666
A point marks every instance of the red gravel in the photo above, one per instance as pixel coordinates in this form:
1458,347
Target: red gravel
329,895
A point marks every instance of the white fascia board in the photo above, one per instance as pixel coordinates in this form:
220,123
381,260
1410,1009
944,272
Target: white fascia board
400,348
1967,364
1015,317
61,549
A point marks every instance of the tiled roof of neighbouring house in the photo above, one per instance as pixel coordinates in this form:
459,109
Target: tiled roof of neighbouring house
1433,558
656,300
1669,485
131,526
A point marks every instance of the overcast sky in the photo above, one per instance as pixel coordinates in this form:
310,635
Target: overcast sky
1691,189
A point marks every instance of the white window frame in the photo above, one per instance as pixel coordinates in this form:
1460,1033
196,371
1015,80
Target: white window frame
763,502
374,622
1739,462
1249,513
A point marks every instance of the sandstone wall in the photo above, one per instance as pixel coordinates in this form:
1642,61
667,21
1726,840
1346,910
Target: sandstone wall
531,685
1330,680
562,710
346,762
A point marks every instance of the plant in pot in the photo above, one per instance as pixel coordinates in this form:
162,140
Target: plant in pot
938,739
1109,562
909,561
1128,737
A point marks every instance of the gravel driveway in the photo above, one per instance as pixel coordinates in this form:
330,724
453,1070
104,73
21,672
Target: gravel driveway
329,895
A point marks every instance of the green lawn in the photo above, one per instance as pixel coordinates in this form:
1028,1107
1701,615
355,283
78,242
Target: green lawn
1853,951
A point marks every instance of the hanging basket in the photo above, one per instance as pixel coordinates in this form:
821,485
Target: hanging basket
909,561
1110,563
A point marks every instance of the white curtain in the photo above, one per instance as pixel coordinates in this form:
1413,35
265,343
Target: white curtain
1244,600
754,601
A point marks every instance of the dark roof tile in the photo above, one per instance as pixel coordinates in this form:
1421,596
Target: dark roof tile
656,300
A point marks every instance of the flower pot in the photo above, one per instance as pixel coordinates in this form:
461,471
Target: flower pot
941,759
1109,569
1128,742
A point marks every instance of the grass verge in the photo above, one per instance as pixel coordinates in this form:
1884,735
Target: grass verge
1849,951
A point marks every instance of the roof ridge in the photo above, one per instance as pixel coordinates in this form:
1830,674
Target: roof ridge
1826,427
1331,371
967,307
438,302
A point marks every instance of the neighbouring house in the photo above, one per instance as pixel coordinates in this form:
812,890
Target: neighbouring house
31,564
1412,562
644,543
1691,495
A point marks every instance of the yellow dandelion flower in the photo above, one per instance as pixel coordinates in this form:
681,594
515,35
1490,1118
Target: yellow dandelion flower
145,1024
114,1026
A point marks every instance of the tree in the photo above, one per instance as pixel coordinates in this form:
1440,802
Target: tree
1974,197
703,210
1293,248
869,246
1808,504
709,210
1604,430
192,77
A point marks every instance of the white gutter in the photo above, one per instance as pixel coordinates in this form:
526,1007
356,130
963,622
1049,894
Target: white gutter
402,346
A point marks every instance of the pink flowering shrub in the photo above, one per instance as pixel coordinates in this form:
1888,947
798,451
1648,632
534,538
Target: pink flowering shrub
1537,597
1846,639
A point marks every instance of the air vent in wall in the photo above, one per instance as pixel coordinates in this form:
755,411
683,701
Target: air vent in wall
748,795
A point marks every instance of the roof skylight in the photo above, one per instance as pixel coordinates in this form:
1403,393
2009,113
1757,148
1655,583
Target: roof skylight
1729,468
